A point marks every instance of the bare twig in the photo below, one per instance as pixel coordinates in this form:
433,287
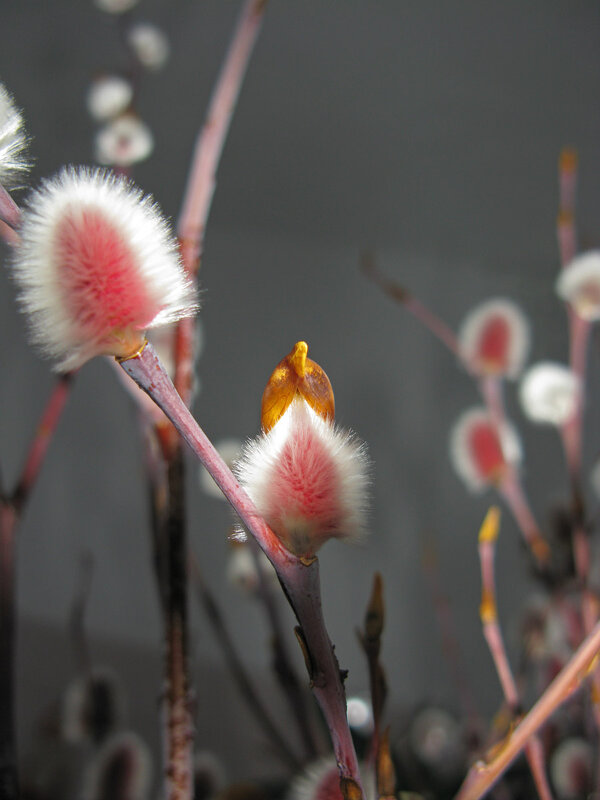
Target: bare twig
401,295
484,774
211,139
370,640
491,629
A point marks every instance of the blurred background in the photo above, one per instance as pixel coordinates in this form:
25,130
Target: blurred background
426,132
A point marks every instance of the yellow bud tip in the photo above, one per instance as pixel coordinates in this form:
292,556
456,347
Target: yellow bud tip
296,376
568,159
298,358
490,526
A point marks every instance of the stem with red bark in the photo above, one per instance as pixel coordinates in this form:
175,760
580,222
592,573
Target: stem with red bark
298,577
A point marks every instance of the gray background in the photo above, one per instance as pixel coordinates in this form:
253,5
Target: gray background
428,131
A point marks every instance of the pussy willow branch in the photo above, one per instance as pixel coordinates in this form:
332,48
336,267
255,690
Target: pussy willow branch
211,139
493,634
282,663
236,666
490,389
572,430
299,578
579,329
426,317
11,510
483,775
202,176
196,207
10,213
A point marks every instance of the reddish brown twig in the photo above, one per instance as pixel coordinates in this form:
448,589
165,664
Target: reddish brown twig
370,640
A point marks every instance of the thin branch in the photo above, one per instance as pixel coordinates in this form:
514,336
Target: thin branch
493,635
401,295
211,139
484,774
202,175
370,640
10,213
300,578
490,389
44,433
282,663
178,727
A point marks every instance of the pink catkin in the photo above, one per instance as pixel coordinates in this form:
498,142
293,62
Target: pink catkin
493,346
304,486
103,288
486,450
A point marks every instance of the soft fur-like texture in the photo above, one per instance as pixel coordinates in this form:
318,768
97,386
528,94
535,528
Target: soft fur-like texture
549,393
478,452
494,338
571,768
307,478
96,262
579,284
108,96
13,164
123,142
320,780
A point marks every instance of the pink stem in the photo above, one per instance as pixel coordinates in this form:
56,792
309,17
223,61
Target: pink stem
483,775
202,176
493,635
567,239
10,213
490,387
45,430
209,145
8,234
567,179
425,316
299,578
436,325
579,332
567,190
511,490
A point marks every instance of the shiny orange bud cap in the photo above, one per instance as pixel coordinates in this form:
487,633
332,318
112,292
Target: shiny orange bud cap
296,375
